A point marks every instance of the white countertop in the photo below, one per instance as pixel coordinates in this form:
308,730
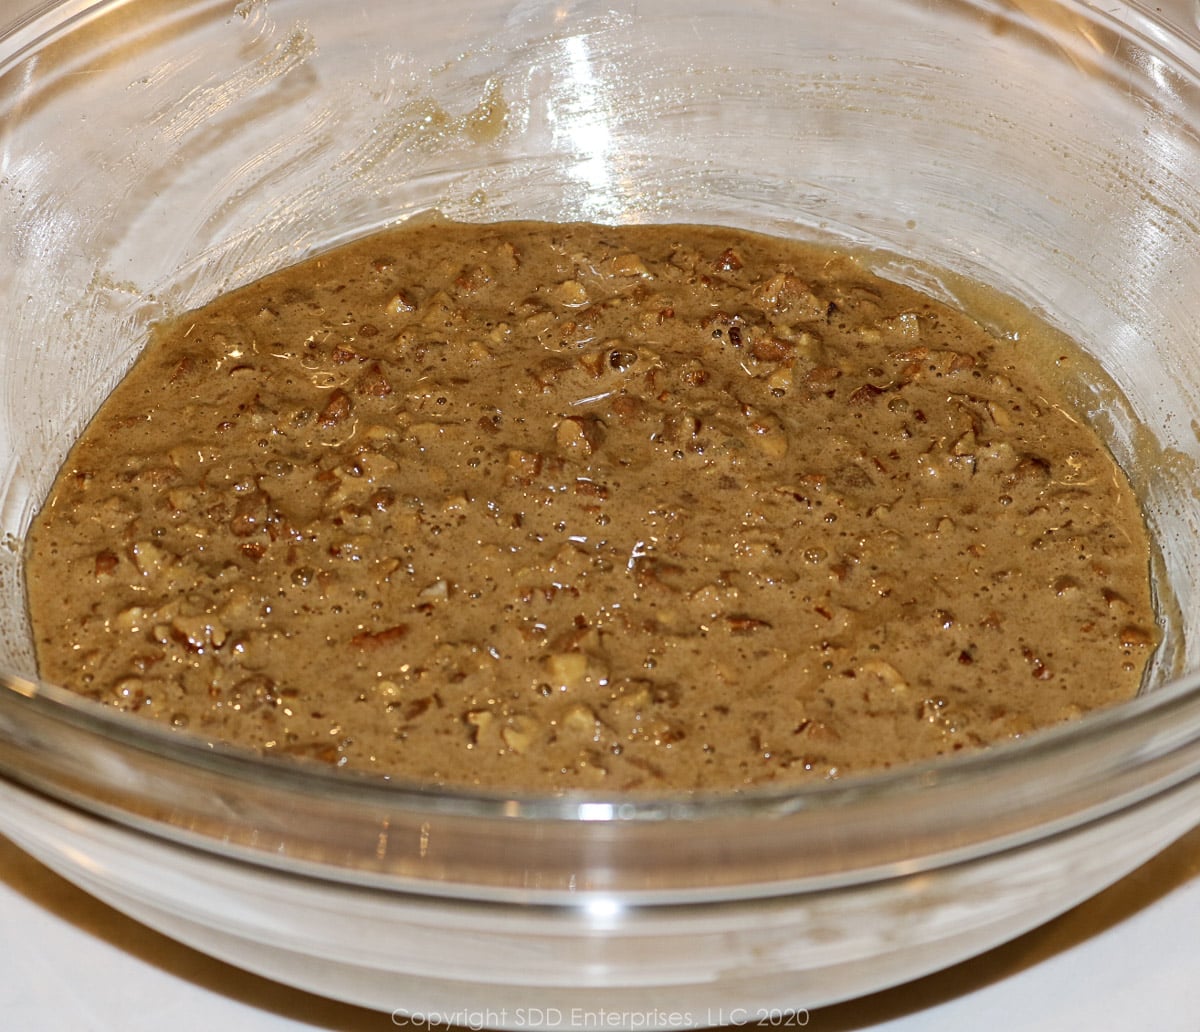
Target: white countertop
1126,961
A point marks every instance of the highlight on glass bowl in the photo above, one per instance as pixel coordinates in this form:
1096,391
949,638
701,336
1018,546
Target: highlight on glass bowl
560,509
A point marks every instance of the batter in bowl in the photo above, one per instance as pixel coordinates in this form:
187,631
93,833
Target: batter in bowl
543,507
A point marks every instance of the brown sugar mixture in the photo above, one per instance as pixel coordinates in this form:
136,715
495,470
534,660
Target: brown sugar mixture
545,507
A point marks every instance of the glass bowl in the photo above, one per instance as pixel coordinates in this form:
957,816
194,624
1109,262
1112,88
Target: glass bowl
153,153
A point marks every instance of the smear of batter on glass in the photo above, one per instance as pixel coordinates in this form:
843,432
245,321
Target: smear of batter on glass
545,507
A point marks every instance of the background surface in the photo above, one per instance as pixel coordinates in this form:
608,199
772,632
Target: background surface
1128,959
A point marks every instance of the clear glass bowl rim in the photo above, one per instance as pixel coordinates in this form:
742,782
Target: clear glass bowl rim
1155,725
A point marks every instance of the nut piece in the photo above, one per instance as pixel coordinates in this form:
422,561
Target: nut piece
337,408
892,679
369,641
522,466
149,558
480,721
571,294
519,734
628,264
1133,637
581,721
566,669
400,304
577,437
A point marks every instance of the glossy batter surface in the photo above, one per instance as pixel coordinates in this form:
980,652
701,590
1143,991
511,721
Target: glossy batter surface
550,507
